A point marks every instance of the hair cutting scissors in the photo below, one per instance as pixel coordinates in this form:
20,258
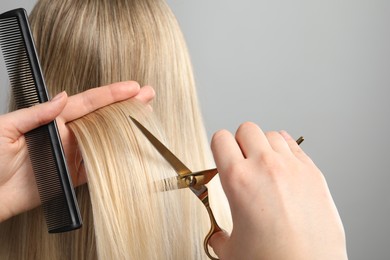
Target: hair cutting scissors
195,181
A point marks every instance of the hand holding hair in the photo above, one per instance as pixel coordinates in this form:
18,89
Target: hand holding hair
280,202
18,191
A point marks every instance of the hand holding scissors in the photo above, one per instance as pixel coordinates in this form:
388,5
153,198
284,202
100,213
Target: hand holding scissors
244,245
280,203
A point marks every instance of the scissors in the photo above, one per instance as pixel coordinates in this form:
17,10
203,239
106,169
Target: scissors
195,181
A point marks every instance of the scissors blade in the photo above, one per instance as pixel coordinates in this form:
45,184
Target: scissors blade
179,167
199,190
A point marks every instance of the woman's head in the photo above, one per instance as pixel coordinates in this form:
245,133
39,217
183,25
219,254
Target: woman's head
84,44
88,43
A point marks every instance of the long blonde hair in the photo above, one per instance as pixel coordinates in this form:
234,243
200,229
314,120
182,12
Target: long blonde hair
84,44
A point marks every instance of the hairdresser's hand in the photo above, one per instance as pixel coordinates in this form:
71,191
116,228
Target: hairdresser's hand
18,191
280,202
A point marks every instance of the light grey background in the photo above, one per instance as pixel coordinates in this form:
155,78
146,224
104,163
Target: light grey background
315,68
7,5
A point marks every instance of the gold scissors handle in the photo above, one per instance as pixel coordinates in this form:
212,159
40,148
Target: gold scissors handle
213,229
196,182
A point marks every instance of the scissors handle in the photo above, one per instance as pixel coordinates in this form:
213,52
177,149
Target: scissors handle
213,229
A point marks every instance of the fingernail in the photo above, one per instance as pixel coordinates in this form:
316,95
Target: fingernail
133,84
58,96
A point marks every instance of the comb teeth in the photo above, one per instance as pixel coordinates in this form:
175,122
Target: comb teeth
45,168
44,146
17,63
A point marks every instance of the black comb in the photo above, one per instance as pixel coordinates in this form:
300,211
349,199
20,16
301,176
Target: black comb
44,145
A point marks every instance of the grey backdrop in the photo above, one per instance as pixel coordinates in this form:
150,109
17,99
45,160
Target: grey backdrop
315,68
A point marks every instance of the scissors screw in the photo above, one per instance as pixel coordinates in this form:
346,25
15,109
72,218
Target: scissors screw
190,181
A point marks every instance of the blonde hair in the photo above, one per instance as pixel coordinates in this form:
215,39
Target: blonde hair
136,219
84,44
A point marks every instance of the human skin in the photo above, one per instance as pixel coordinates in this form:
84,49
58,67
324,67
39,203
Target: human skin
18,191
280,202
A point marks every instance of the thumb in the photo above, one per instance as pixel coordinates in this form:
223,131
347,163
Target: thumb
218,242
24,120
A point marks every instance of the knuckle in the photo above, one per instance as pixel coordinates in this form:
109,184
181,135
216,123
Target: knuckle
41,119
272,165
221,134
246,125
272,135
268,159
237,173
244,128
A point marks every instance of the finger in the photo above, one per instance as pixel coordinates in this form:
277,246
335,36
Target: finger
294,147
88,101
218,242
21,121
75,163
146,94
252,140
277,142
80,177
225,150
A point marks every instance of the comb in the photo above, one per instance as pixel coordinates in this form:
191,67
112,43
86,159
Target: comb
44,144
